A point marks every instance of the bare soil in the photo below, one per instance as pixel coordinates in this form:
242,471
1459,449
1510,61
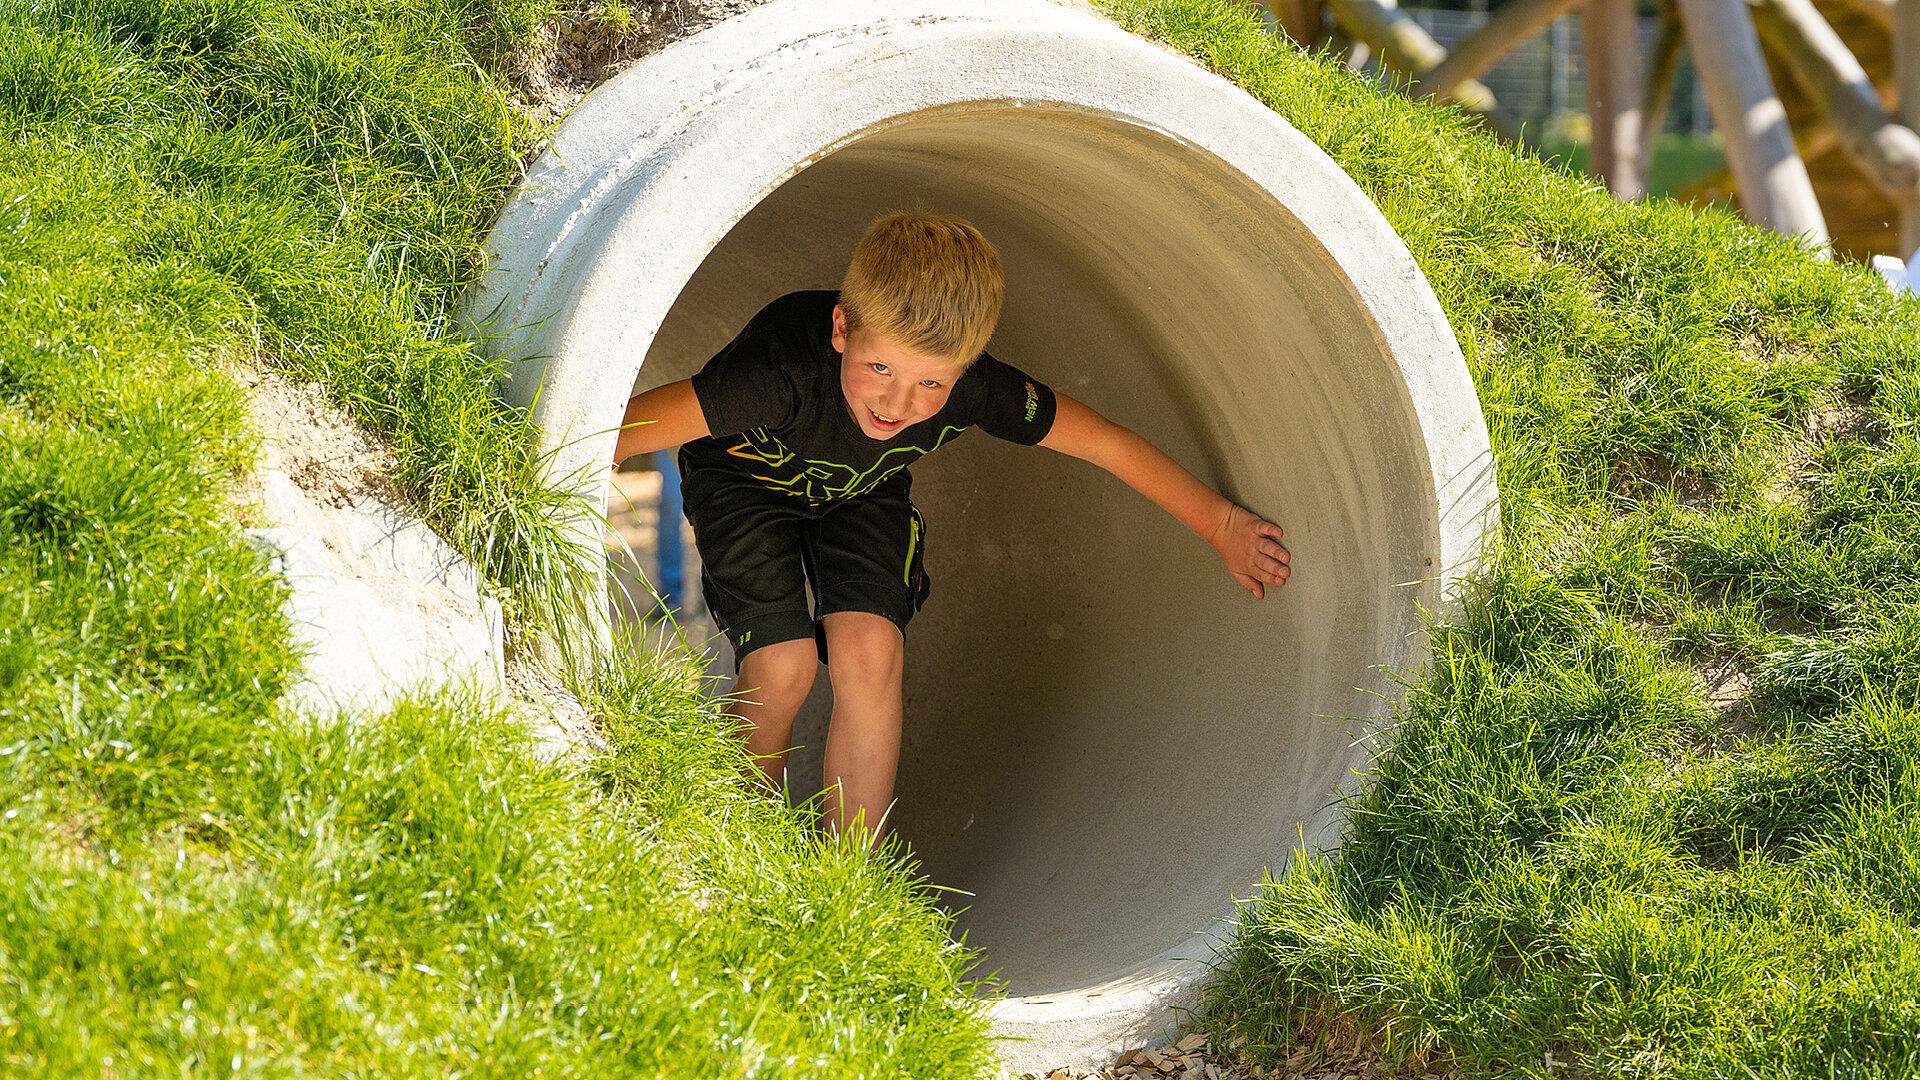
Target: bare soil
591,43
316,443
1194,1058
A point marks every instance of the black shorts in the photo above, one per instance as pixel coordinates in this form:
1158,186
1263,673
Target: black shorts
759,548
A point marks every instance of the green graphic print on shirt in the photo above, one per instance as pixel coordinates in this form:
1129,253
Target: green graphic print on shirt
778,467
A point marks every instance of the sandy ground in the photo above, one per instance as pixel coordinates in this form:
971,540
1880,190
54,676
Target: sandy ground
316,443
585,46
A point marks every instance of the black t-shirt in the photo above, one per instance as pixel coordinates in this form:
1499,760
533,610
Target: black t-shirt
773,404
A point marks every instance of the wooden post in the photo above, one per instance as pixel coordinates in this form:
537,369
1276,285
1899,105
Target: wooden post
1880,11
1661,67
1906,81
1886,152
1813,140
1349,50
1404,45
1299,19
1769,176
1611,43
1507,28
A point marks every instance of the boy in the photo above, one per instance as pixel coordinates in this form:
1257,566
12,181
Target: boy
794,446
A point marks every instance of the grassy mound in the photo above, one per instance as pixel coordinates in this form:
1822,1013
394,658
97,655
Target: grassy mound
416,895
1651,811
194,883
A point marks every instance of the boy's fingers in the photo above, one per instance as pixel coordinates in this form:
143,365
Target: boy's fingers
1252,585
1271,570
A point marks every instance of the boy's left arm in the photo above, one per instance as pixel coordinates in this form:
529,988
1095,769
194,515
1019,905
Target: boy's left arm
1248,543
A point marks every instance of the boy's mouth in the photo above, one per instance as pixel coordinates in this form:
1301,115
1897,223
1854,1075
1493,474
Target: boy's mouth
882,422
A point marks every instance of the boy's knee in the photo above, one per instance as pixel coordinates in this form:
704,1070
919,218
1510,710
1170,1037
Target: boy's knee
779,671
863,645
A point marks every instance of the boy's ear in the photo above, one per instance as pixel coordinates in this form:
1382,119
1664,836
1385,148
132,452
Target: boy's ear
839,329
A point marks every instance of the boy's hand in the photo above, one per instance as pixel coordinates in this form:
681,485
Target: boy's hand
1250,546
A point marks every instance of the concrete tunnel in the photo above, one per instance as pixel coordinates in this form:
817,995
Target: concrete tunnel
1107,740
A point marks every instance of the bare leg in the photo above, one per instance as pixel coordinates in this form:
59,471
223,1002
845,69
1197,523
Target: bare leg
772,685
865,658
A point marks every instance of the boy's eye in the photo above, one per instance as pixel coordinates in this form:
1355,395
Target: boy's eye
881,368
932,384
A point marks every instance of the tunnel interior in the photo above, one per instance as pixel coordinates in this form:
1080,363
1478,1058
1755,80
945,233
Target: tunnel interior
1107,740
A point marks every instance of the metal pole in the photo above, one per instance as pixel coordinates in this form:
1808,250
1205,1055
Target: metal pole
668,542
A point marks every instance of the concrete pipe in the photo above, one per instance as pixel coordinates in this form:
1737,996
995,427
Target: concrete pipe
1107,740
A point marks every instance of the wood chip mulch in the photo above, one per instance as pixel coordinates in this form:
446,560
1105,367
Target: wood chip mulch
1188,1060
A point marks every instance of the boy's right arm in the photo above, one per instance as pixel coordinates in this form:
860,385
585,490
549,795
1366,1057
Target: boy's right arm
663,416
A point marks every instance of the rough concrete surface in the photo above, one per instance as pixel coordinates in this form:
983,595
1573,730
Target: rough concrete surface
1107,741
380,604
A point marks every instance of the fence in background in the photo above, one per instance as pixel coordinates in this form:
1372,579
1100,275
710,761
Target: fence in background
1542,83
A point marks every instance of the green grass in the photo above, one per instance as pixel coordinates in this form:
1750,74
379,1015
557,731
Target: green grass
1568,850
1706,444
417,895
196,883
305,183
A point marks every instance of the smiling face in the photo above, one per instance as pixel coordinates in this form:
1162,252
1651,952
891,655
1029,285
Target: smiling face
888,387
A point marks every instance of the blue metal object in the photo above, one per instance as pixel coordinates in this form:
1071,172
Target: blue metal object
670,546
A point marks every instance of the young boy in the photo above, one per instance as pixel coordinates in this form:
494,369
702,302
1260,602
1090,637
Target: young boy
794,445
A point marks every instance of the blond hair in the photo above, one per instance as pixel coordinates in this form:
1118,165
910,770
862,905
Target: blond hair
930,283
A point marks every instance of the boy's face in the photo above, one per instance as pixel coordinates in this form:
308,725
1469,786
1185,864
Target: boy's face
889,387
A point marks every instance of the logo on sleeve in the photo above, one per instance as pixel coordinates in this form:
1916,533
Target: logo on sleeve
1033,402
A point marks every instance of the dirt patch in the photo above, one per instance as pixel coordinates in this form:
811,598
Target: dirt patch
1192,1059
1647,479
316,443
1727,687
560,724
1847,420
592,42
1838,421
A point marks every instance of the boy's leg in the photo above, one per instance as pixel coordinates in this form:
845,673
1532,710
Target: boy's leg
867,556
754,581
772,685
866,656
